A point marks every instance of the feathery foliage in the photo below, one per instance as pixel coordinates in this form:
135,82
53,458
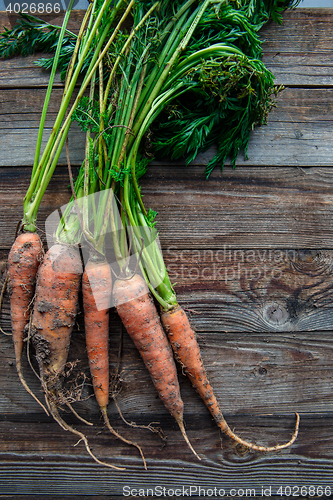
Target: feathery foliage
31,35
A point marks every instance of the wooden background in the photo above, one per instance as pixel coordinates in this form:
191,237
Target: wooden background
251,250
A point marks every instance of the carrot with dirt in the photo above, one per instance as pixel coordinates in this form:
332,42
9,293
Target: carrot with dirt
224,89
86,44
83,217
54,312
27,251
187,353
201,106
141,320
23,261
59,277
86,219
53,318
96,291
56,305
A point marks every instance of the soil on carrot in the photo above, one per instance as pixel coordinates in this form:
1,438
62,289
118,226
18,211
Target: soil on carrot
41,345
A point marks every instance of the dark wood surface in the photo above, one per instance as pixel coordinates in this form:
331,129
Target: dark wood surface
251,251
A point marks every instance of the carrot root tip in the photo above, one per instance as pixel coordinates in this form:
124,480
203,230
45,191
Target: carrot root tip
27,388
115,433
255,447
77,415
180,422
55,414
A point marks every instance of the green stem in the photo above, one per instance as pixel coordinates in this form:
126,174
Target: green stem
156,107
166,294
101,125
171,90
175,35
217,50
71,66
123,50
48,153
120,252
50,87
169,65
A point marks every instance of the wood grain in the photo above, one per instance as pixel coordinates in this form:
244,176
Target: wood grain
9,20
246,208
298,133
219,468
253,373
293,58
21,72
277,209
266,337
260,381
265,368
299,52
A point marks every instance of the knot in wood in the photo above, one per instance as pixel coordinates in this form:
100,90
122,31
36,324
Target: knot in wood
276,314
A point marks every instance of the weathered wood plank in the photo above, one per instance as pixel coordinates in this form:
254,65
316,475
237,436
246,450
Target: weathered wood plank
280,373
258,290
242,326
299,106
18,144
25,106
293,58
227,208
9,20
303,145
246,208
255,289
277,368
20,114
13,186
252,374
277,374
53,497
50,496
218,468
20,72
299,52
299,130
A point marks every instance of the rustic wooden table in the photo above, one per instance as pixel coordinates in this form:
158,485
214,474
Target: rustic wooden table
251,250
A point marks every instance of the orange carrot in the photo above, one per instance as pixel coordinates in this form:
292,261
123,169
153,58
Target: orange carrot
23,261
54,312
141,320
187,352
96,290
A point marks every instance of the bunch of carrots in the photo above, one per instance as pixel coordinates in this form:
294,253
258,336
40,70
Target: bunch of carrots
154,77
